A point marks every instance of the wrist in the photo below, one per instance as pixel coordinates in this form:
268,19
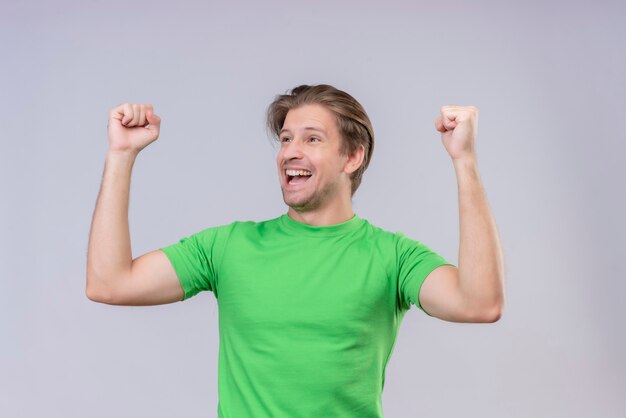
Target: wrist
129,155
466,170
120,161
464,163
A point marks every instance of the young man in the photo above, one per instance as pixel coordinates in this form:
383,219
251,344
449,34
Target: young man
310,302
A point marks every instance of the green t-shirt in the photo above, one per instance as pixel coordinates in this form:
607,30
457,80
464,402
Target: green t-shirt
308,315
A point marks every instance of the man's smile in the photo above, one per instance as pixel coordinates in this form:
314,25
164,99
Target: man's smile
297,176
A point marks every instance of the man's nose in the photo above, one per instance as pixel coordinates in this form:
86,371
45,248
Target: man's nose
292,149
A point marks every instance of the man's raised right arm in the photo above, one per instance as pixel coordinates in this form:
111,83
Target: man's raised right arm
113,276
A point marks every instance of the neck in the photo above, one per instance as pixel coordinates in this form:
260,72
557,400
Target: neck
339,212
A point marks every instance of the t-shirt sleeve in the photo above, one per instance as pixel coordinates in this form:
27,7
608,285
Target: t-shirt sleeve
195,259
415,262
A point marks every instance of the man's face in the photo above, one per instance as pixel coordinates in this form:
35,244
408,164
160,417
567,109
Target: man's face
311,167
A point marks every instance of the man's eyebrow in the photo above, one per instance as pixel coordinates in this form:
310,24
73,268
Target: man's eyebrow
308,128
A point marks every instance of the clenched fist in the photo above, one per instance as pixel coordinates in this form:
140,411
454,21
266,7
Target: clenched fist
132,127
458,126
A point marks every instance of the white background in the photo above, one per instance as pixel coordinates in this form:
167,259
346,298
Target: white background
550,84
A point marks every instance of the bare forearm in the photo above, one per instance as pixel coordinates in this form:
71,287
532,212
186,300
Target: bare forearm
481,271
109,252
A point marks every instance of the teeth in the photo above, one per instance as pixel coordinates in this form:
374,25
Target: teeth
297,173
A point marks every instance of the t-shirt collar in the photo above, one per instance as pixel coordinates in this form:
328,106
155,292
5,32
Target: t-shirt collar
300,228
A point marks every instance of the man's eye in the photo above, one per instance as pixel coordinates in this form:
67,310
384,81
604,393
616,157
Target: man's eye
314,139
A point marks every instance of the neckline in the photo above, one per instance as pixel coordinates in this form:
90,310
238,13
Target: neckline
300,228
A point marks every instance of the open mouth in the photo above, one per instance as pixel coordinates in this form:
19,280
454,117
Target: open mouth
297,176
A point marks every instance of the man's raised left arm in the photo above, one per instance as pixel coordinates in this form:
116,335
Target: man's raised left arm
475,291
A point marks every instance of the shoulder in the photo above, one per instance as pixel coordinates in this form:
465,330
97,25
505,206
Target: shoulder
397,238
240,226
391,244
254,226
244,229
406,250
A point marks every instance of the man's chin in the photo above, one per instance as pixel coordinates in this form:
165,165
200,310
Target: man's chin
300,205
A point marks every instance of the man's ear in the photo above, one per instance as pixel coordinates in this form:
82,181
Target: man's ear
355,160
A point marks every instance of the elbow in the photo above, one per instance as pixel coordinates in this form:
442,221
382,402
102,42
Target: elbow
96,292
490,310
96,296
485,312
92,294
491,313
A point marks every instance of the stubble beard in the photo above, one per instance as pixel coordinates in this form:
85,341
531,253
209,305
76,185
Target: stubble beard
311,202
